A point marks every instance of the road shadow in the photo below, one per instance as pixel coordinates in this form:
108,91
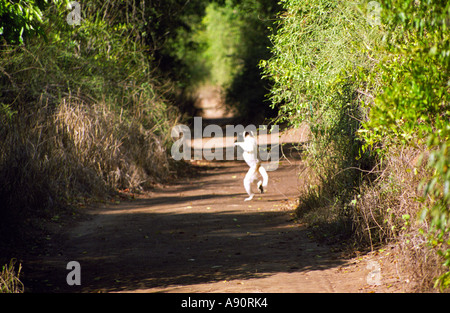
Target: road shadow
185,235
162,249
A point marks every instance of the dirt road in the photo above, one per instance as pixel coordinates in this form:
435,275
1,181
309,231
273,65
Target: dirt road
200,236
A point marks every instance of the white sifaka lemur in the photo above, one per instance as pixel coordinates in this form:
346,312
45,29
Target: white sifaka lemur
250,147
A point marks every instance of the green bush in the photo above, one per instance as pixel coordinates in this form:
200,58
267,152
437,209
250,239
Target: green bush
373,87
83,114
414,107
21,19
222,49
317,52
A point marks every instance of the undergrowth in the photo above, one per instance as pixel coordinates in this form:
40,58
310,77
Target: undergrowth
371,82
10,279
83,114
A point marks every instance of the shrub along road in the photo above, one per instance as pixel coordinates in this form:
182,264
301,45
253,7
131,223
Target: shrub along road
198,235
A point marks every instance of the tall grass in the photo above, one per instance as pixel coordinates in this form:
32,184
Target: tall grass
10,280
83,114
316,53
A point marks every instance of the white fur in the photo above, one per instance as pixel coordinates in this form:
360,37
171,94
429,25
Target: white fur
250,147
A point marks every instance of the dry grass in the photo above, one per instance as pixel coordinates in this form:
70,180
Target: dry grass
382,206
77,124
74,127
119,150
388,211
320,210
384,211
53,156
9,279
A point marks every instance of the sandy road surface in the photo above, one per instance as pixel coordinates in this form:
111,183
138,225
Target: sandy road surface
198,235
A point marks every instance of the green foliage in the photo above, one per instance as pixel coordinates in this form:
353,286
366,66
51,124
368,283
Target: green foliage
6,113
438,190
82,114
414,102
314,44
414,107
364,87
220,35
222,48
414,74
318,49
20,19
249,87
